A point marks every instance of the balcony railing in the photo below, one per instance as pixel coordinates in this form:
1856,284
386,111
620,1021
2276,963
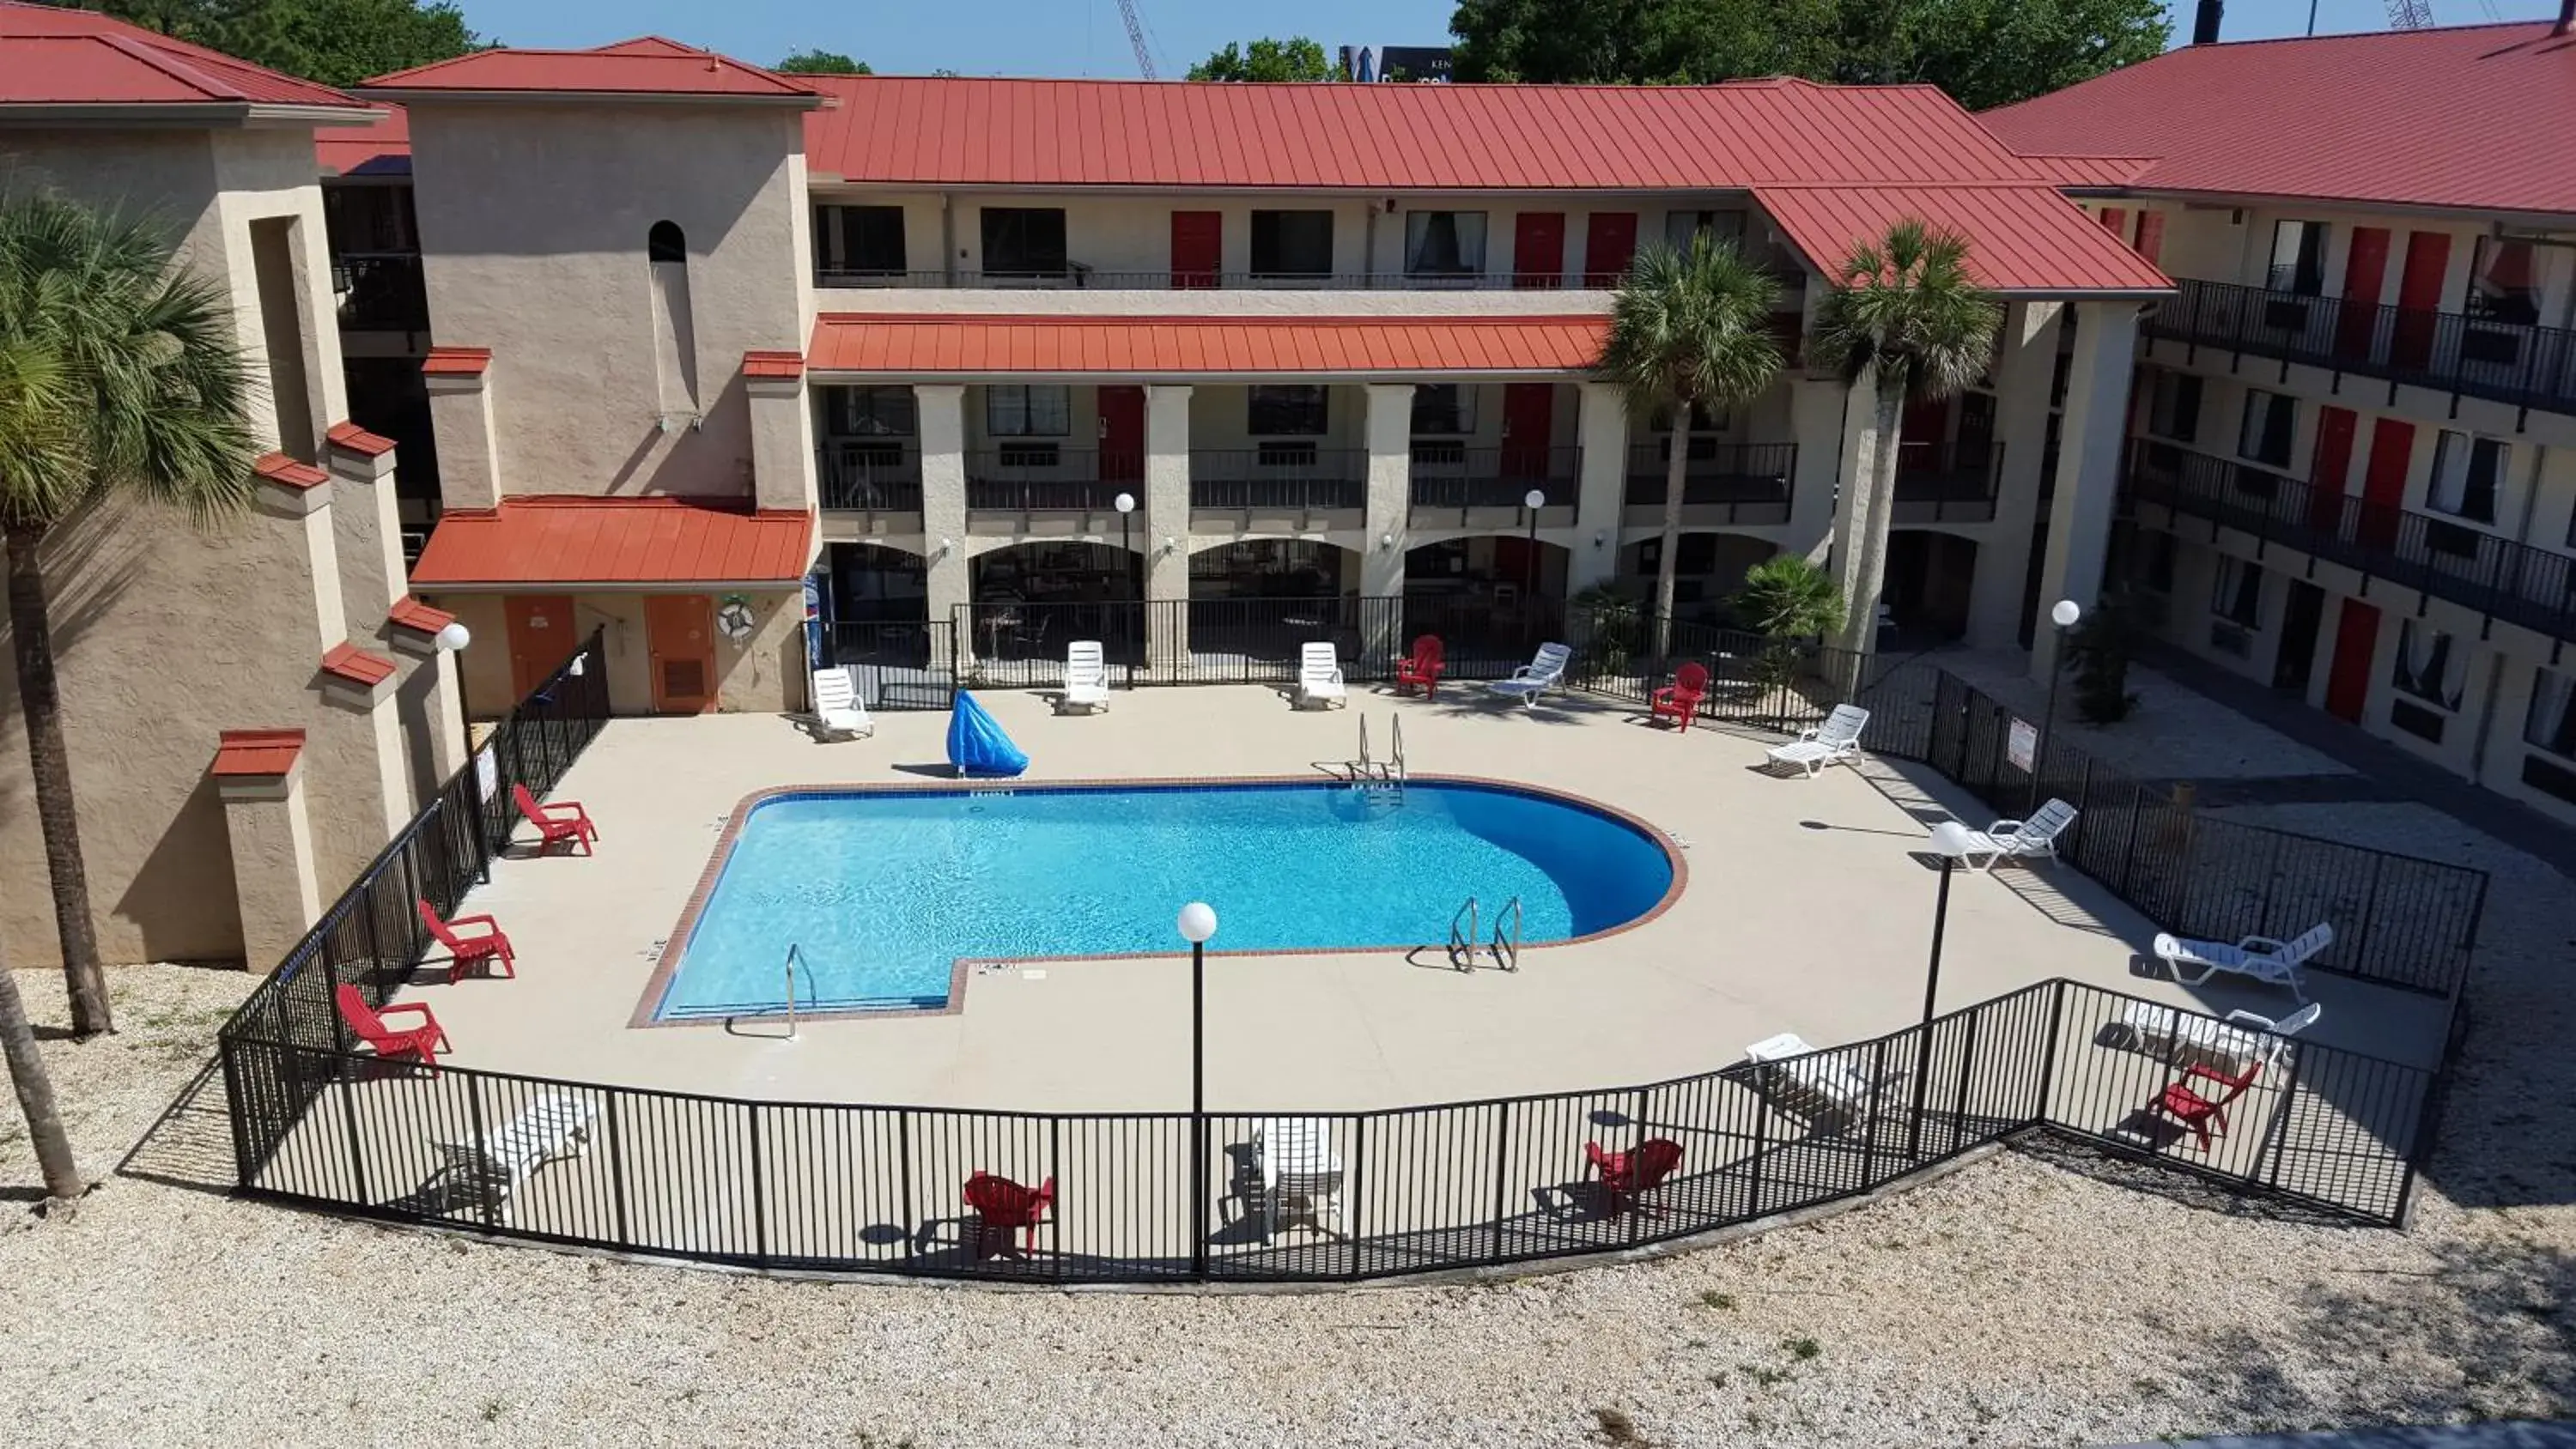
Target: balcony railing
1748,483
2507,362
1037,477
381,291
1453,475
1077,277
870,477
1295,476
2495,576
1947,482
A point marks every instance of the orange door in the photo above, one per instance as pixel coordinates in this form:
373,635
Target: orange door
1538,249
2365,268
2356,641
541,638
1198,245
679,637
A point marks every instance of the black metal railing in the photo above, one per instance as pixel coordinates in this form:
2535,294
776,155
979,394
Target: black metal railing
381,291
1072,277
2504,361
896,664
2449,559
1746,483
1298,476
1048,478
1454,475
870,477
1947,482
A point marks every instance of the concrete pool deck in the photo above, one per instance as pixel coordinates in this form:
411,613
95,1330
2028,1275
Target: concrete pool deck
1805,912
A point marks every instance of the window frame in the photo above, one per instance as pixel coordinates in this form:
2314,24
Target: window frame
2303,272
833,251
2455,459
1460,411
2500,306
1271,247
2165,405
1470,255
1031,419
2287,414
1290,407
2445,656
994,224
2556,738
849,411
1683,225
2245,582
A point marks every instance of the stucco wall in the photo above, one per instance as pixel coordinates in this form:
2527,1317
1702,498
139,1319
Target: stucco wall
763,673
533,223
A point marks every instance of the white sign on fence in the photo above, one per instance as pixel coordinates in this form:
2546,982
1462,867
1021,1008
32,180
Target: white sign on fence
487,773
2021,745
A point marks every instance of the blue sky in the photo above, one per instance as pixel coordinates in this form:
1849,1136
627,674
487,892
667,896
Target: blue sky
1083,37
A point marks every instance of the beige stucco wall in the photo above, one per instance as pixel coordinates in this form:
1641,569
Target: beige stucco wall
763,673
533,223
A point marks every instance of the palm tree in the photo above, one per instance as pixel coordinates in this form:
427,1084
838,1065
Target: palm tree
1786,598
54,1160
1906,320
1689,329
118,375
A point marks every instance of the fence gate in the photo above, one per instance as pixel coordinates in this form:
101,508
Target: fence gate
899,666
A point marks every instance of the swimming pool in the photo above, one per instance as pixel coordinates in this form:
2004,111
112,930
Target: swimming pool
884,891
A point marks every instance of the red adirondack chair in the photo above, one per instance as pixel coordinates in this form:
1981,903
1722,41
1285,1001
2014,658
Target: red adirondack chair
1680,699
563,820
466,952
1423,668
1004,1204
2197,1112
416,1042
1625,1175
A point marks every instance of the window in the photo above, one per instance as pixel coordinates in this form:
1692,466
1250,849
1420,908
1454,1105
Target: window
867,240
665,244
2431,665
1702,420
2551,723
1444,409
2156,561
1680,227
2299,257
2270,418
868,412
1289,411
2173,407
2238,597
1292,243
2504,282
1444,244
1031,410
1024,241
2467,471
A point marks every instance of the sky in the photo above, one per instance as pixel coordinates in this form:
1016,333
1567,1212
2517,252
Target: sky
1084,37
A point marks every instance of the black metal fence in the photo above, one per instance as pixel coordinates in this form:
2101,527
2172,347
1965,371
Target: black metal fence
1020,645
2508,361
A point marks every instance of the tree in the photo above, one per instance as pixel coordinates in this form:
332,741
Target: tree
1786,600
1984,52
1689,329
125,381
821,62
1299,59
54,1160
336,42
2098,650
1904,320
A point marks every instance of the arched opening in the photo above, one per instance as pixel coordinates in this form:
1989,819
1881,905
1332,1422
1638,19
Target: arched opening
1485,594
1707,570
875,608
1931,578
675,332
1258,601
1272,568
1031,599
665,243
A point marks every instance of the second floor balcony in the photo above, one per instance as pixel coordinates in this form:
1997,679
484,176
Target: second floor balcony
1044,477
2511,362
1286,477
1454,475
870,476
380,291
2497,577
1952,482
1723,484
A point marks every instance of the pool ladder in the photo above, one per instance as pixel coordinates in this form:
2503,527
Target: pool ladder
1503,947
1380,779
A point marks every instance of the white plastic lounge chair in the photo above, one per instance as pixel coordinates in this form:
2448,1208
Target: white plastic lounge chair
1544,672
837,706
1086,679
1319,677
1823,1076
2273,962
2013,839
2242,1037
548,1129
1299,1169
1835,742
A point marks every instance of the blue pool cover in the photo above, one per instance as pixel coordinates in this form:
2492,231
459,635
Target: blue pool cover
976,745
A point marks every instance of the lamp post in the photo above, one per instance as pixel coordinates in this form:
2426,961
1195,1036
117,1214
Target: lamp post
1125,503
1533,500
1197,925
451,638
2064,614
1950,841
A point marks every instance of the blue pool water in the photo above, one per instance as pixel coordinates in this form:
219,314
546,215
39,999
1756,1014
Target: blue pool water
884,892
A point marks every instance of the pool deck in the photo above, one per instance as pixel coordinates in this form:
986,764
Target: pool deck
1806,911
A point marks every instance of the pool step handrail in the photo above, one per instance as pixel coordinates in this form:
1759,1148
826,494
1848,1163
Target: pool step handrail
1462,944
794,957
1507,947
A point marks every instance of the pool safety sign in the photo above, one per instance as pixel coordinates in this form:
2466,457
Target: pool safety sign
2021,746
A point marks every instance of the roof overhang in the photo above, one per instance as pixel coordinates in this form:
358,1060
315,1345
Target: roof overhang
2025,241
434,95
192,115
979,347
623,545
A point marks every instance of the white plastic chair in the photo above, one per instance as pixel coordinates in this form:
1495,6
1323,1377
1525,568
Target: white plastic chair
2241,1038
1298,1167
2013,839
1086,678
1835,742
548,1129
1544,672
836,705
2264,958
1319,676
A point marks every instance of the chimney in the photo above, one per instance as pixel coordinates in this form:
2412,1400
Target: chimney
2204,27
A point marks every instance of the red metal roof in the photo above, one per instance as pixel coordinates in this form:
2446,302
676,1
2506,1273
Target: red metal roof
773,364
256,752
358,440
54,57
279,468
1482,137
2023,238
648,65
2477,117
457,361
356,665
562,541
383,149
410,613
1134,345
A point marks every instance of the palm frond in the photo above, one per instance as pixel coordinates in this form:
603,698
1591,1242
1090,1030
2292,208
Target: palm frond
1905,305
1692,325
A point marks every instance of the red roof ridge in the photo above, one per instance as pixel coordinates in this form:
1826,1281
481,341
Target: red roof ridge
350,662
649,44
641,48
172,66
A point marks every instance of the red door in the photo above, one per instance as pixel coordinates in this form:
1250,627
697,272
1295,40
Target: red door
2151,235
2115,220
2356,642
1122,434
541,638
1538,249
2383,487
679,636
2365,270
1921,433
1609,244
1198,247
2419,296
2331,468
1529,420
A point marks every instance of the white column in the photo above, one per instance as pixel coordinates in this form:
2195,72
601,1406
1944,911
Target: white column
1816,418
2088,465
1601,502
1167,521
942,410
1389,510
2024,371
